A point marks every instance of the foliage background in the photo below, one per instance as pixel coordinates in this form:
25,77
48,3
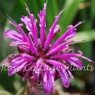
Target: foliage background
76,10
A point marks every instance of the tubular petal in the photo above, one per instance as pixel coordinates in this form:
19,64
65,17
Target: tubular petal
48,82
19,43
14,70
57,63
70,33
76,62
34,29
70,74
52,32
65,56
60,47
64,77
26,20
31,45
42,24
14,35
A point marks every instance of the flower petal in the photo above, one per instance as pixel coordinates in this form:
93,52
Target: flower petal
26,20
52,31
60,47
87,59
38,69
14,70
70,33
31,45
42,24
57,64
28,70
76,62
19,43
7,60
34,29
65,56
28,57
48,82
20,30
64,77
13,35
70,74
31,26
17,62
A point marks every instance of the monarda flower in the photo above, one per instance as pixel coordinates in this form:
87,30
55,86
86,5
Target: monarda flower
38,59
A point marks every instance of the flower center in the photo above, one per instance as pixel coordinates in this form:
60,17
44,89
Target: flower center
42,53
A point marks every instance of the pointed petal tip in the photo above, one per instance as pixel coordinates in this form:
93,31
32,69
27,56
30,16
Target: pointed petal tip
25,4
46,2
80,52
27,9
89,60
57,29
80,68
92,61
67,85
12,22
61,11
78,41
79,23
9,73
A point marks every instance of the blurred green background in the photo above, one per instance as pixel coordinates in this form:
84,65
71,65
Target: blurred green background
76,10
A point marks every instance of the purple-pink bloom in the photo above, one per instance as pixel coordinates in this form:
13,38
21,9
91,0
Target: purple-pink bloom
36,56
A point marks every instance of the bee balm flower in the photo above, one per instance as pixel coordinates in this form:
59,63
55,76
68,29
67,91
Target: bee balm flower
36,56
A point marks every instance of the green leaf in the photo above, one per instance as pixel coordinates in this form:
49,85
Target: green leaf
6,7
86,48
70,13
78,83
92,10
85,35
22,91
2,92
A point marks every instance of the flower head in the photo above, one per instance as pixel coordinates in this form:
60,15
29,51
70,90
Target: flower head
36,56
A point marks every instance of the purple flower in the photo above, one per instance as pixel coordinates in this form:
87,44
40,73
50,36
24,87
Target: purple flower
38,59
